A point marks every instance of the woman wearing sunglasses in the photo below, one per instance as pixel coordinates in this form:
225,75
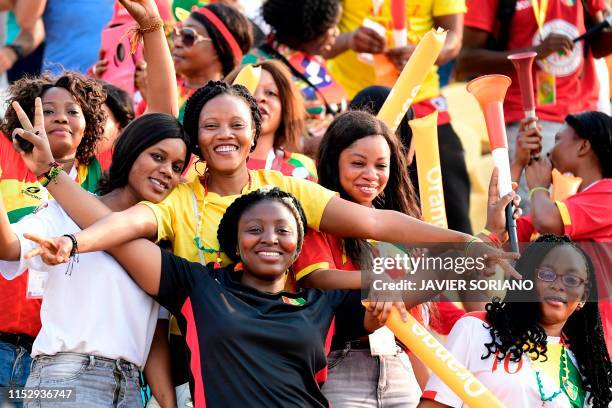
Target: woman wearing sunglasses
208,45
541,348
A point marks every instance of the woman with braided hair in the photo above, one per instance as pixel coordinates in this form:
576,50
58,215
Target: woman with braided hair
538,348
583,148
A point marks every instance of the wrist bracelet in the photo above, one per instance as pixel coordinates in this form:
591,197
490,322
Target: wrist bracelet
492,237
533,190
469,244
51,175
74,254
135,34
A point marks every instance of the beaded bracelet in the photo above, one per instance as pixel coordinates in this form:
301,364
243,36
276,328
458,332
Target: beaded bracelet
533,190
135,34
51,175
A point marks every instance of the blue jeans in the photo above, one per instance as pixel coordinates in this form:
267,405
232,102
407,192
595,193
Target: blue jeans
356,379
97,381
14,368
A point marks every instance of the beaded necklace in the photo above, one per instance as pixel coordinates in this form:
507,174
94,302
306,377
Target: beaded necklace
566,386
199,221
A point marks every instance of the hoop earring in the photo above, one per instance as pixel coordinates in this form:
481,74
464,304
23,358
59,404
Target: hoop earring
195,167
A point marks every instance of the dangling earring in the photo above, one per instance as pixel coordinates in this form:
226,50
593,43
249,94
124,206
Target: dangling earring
195,167
253,143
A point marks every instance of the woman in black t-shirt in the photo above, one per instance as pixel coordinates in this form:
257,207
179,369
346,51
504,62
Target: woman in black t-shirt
251,343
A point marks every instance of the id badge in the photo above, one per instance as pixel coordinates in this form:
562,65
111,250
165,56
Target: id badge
382,342
547,88
36,284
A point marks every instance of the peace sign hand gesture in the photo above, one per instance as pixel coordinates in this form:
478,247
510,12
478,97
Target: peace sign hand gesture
143,11
39,158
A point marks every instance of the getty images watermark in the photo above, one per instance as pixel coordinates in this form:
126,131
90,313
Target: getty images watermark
424,271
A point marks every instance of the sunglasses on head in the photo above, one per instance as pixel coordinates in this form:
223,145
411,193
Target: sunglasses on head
189,37
569,280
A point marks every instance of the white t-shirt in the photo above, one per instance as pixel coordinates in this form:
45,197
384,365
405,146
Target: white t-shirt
97,310
514,384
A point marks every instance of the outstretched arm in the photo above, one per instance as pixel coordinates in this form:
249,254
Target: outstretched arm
347,219
140,258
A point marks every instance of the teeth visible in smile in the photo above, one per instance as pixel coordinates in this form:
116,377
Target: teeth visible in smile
269,254
159,183
368,190
226,148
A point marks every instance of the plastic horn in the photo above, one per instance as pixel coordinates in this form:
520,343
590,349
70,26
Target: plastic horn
435,356
398,17
425,138
409,82
523,62
248,77
489,91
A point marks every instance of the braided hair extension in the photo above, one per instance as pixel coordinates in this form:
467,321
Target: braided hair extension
227,234
238,25
515,329
202,96
297,22
596,127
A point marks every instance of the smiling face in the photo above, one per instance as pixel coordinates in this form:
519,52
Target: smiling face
558,300
364,168
191,61
157,170
64,122
267,240
225,133
270,106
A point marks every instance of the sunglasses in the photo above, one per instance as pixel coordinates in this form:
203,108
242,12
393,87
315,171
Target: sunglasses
189,37
569,280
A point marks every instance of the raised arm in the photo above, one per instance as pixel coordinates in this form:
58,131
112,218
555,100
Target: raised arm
162,93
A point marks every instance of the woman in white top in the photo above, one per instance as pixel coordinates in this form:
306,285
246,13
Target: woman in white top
539,348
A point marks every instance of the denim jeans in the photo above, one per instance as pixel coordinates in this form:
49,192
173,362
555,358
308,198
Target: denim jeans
356,379
14,369
183,398
97,382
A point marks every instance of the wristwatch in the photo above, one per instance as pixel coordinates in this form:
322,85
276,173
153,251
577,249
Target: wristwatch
18,49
